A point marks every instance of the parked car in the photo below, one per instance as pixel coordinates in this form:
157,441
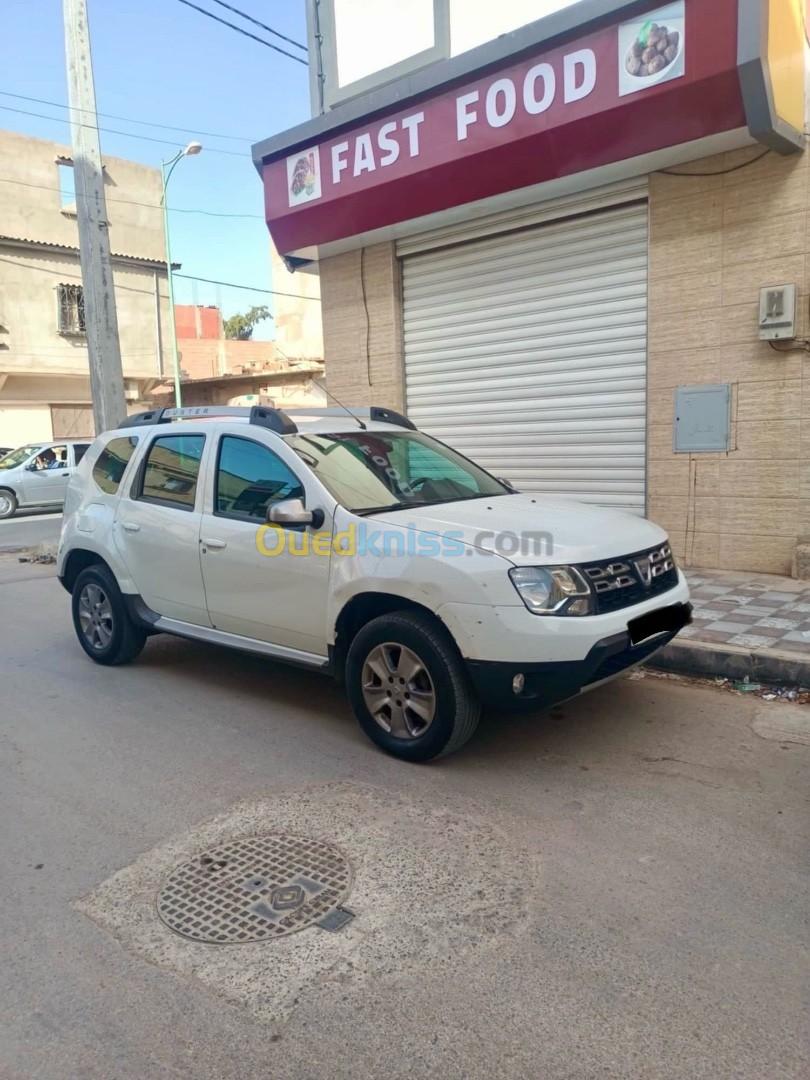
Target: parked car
37,474
359,546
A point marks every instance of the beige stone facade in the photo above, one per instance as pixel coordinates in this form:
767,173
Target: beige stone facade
714,243
364,362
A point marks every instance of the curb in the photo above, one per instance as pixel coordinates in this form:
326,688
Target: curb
733,662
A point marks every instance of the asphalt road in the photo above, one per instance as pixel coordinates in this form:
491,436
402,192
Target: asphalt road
29,528
615,889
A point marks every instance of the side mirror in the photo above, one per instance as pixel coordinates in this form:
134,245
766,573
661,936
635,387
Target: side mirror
32,467
290,512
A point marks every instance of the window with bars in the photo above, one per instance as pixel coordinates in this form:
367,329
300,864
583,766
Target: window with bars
71,309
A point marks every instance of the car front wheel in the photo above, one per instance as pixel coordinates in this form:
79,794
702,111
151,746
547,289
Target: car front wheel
8,503
103,626
408,687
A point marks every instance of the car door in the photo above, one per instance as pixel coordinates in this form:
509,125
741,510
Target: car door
157,527
264,582
47,475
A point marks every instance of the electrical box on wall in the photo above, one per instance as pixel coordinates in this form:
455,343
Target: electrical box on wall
777,312
702,419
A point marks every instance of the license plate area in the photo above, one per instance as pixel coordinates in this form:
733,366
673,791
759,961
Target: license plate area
665,620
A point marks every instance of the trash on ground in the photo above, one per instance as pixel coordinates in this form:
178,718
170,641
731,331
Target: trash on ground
45,559
746,687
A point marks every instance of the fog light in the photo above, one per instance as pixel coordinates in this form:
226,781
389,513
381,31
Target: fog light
518,683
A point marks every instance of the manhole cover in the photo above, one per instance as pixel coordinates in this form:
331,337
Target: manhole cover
255,889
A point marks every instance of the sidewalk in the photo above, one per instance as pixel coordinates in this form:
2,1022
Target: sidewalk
755,625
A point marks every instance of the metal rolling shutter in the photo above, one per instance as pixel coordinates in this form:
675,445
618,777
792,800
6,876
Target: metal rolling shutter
527,351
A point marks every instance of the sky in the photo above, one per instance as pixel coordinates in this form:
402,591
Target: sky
160,61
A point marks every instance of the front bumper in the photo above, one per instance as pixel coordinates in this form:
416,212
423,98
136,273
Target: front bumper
549,682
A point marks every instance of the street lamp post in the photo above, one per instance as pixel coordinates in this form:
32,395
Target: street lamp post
188,151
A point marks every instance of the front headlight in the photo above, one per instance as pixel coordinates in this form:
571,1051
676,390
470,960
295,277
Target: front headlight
552,590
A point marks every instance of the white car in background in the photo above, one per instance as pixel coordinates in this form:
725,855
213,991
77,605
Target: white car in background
353,544
37,474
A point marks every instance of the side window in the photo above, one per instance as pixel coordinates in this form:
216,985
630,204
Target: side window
111,462
52,457
79,450
250,477
171,470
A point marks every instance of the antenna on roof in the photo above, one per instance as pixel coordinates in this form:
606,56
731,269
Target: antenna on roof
345,408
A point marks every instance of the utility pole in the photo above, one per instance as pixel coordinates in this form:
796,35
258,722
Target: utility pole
101,320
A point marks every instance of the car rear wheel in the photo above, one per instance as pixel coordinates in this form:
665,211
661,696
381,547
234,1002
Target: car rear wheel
8,503
408,687
103,626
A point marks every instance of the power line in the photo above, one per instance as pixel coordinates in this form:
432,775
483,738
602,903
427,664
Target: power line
134,202
264,26
247,33
129,119
719,172
248,288
188,277
113,131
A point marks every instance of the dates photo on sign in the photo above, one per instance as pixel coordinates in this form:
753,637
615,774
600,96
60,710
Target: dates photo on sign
652,49
303,177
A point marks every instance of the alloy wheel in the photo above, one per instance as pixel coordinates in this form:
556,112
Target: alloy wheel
398,690
95,616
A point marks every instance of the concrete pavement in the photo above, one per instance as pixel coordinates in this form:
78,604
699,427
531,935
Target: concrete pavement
28,529
614,889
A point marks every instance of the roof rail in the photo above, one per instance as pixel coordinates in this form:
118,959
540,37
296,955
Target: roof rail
277,420
363,412
261,415
142,418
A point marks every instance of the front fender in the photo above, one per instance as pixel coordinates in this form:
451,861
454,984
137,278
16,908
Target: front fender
418,566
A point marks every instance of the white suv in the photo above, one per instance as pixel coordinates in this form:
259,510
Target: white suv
356,545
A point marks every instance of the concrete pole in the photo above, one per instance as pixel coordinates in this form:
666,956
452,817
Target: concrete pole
101,321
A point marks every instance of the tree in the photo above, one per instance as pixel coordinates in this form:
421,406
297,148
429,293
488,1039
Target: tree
241,327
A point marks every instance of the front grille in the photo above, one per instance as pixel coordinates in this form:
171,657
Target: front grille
620,583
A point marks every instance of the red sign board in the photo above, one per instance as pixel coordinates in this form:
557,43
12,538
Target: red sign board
665,77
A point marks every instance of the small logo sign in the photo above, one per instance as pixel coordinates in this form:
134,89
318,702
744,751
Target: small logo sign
652,48
644,568
304,176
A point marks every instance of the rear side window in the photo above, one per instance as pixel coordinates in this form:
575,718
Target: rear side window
171,470
111,462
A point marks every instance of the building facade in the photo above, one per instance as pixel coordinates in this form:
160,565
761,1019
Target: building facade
563,245
44,380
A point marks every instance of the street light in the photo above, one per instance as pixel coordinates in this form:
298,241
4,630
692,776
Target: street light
188,151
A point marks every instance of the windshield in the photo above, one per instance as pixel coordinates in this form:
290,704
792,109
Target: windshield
369,471
17,457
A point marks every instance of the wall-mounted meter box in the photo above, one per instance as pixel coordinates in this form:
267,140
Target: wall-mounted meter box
777,312
702,419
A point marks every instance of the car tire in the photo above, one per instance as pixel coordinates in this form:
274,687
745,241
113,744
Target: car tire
8,503
102,623
408,687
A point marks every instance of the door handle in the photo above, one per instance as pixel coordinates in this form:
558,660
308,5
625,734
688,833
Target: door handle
215,545
130,526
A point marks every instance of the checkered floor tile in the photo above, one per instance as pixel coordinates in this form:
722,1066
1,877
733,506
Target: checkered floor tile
758,611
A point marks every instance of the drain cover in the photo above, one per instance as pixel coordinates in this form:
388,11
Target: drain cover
255,889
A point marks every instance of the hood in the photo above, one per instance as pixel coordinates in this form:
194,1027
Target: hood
533,530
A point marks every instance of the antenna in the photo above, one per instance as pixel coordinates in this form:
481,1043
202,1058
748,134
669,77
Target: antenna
345,408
